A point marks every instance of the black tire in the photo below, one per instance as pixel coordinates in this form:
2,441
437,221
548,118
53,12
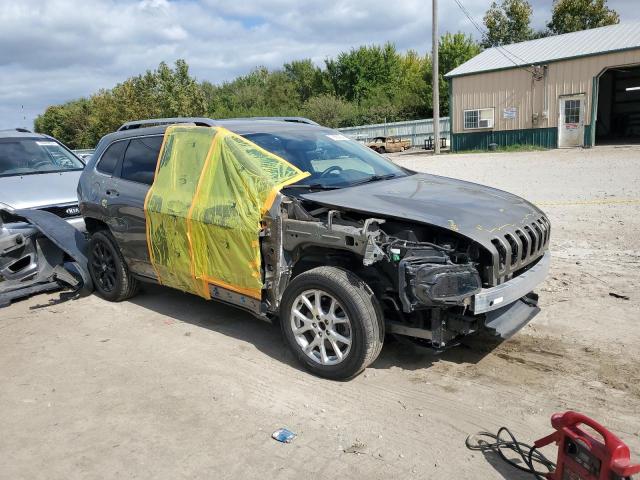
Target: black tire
109,272
357,301
382,150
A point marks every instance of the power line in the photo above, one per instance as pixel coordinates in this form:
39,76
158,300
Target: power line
499,48
483,32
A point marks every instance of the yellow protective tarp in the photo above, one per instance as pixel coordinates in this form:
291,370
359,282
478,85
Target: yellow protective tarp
204,208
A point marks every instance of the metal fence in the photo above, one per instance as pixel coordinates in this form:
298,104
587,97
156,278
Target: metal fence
415,130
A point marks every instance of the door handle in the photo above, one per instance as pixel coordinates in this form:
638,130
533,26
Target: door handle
112,193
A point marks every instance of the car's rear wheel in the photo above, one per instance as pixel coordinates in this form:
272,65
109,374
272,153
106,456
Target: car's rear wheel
331,321
109,272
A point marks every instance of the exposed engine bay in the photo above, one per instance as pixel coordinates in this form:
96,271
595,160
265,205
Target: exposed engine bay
425,278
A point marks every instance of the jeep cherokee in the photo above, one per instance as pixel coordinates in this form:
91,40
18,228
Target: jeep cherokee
359,249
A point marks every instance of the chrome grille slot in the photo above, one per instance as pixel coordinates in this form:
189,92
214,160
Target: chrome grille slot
543,229
533,238
502,252
548,224
547,229
538,231
526,241
515,250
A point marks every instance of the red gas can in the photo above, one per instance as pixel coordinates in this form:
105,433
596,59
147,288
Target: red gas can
583,457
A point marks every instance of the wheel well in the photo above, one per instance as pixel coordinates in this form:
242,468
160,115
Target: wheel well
94,225
312,257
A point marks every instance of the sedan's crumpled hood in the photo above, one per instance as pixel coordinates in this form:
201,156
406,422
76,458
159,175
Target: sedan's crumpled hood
39,190
475,211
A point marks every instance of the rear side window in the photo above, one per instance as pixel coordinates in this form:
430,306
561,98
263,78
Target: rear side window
111,157
140,159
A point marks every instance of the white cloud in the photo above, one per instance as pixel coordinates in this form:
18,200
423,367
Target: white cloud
56,50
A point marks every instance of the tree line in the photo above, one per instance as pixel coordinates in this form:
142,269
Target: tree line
510,20
369,84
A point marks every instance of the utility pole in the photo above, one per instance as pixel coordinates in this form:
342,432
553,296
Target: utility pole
436,77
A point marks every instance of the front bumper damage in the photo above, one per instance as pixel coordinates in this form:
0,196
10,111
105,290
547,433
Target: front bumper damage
511,305
42,253
435,293
490,299
501,310
504,322
508,307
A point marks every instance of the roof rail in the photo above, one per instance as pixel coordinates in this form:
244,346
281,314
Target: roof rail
278,119
290,119
204,122
152,122
18,129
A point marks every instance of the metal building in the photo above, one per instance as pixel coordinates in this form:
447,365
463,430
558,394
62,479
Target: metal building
576,89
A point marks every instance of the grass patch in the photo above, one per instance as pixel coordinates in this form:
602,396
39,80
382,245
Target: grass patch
507,148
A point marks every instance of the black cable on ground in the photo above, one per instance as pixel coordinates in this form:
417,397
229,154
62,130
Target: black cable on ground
531,457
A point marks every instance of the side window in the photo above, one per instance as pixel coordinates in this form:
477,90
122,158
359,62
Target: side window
111,157
140,159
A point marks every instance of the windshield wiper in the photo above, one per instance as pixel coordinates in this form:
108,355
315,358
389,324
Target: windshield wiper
314,186
375,178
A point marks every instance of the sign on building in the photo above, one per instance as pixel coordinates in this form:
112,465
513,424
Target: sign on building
509,113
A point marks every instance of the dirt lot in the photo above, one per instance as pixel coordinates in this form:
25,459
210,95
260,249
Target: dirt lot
170,386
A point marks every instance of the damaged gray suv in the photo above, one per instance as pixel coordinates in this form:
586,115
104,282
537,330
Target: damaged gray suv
359,249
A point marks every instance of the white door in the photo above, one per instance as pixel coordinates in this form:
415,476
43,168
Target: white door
571,121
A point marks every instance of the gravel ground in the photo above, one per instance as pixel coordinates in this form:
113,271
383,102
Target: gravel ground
170,386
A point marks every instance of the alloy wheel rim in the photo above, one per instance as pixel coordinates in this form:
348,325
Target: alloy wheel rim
104,267
321,327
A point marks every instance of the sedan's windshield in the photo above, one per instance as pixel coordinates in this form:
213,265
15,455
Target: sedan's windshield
25,156
332,159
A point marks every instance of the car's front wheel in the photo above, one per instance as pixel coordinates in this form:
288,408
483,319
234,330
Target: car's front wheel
331,321
109,272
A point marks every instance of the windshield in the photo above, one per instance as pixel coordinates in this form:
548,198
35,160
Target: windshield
25,156
332,159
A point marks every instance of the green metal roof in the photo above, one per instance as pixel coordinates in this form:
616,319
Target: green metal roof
623,36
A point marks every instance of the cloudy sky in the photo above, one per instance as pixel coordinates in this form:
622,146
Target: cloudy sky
56,50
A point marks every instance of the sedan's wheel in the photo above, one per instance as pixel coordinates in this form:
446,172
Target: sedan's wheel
109,272
332,322
321,327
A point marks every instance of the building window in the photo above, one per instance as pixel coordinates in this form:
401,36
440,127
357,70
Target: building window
480,118
572,111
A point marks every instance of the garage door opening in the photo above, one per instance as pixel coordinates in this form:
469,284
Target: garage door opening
618,120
